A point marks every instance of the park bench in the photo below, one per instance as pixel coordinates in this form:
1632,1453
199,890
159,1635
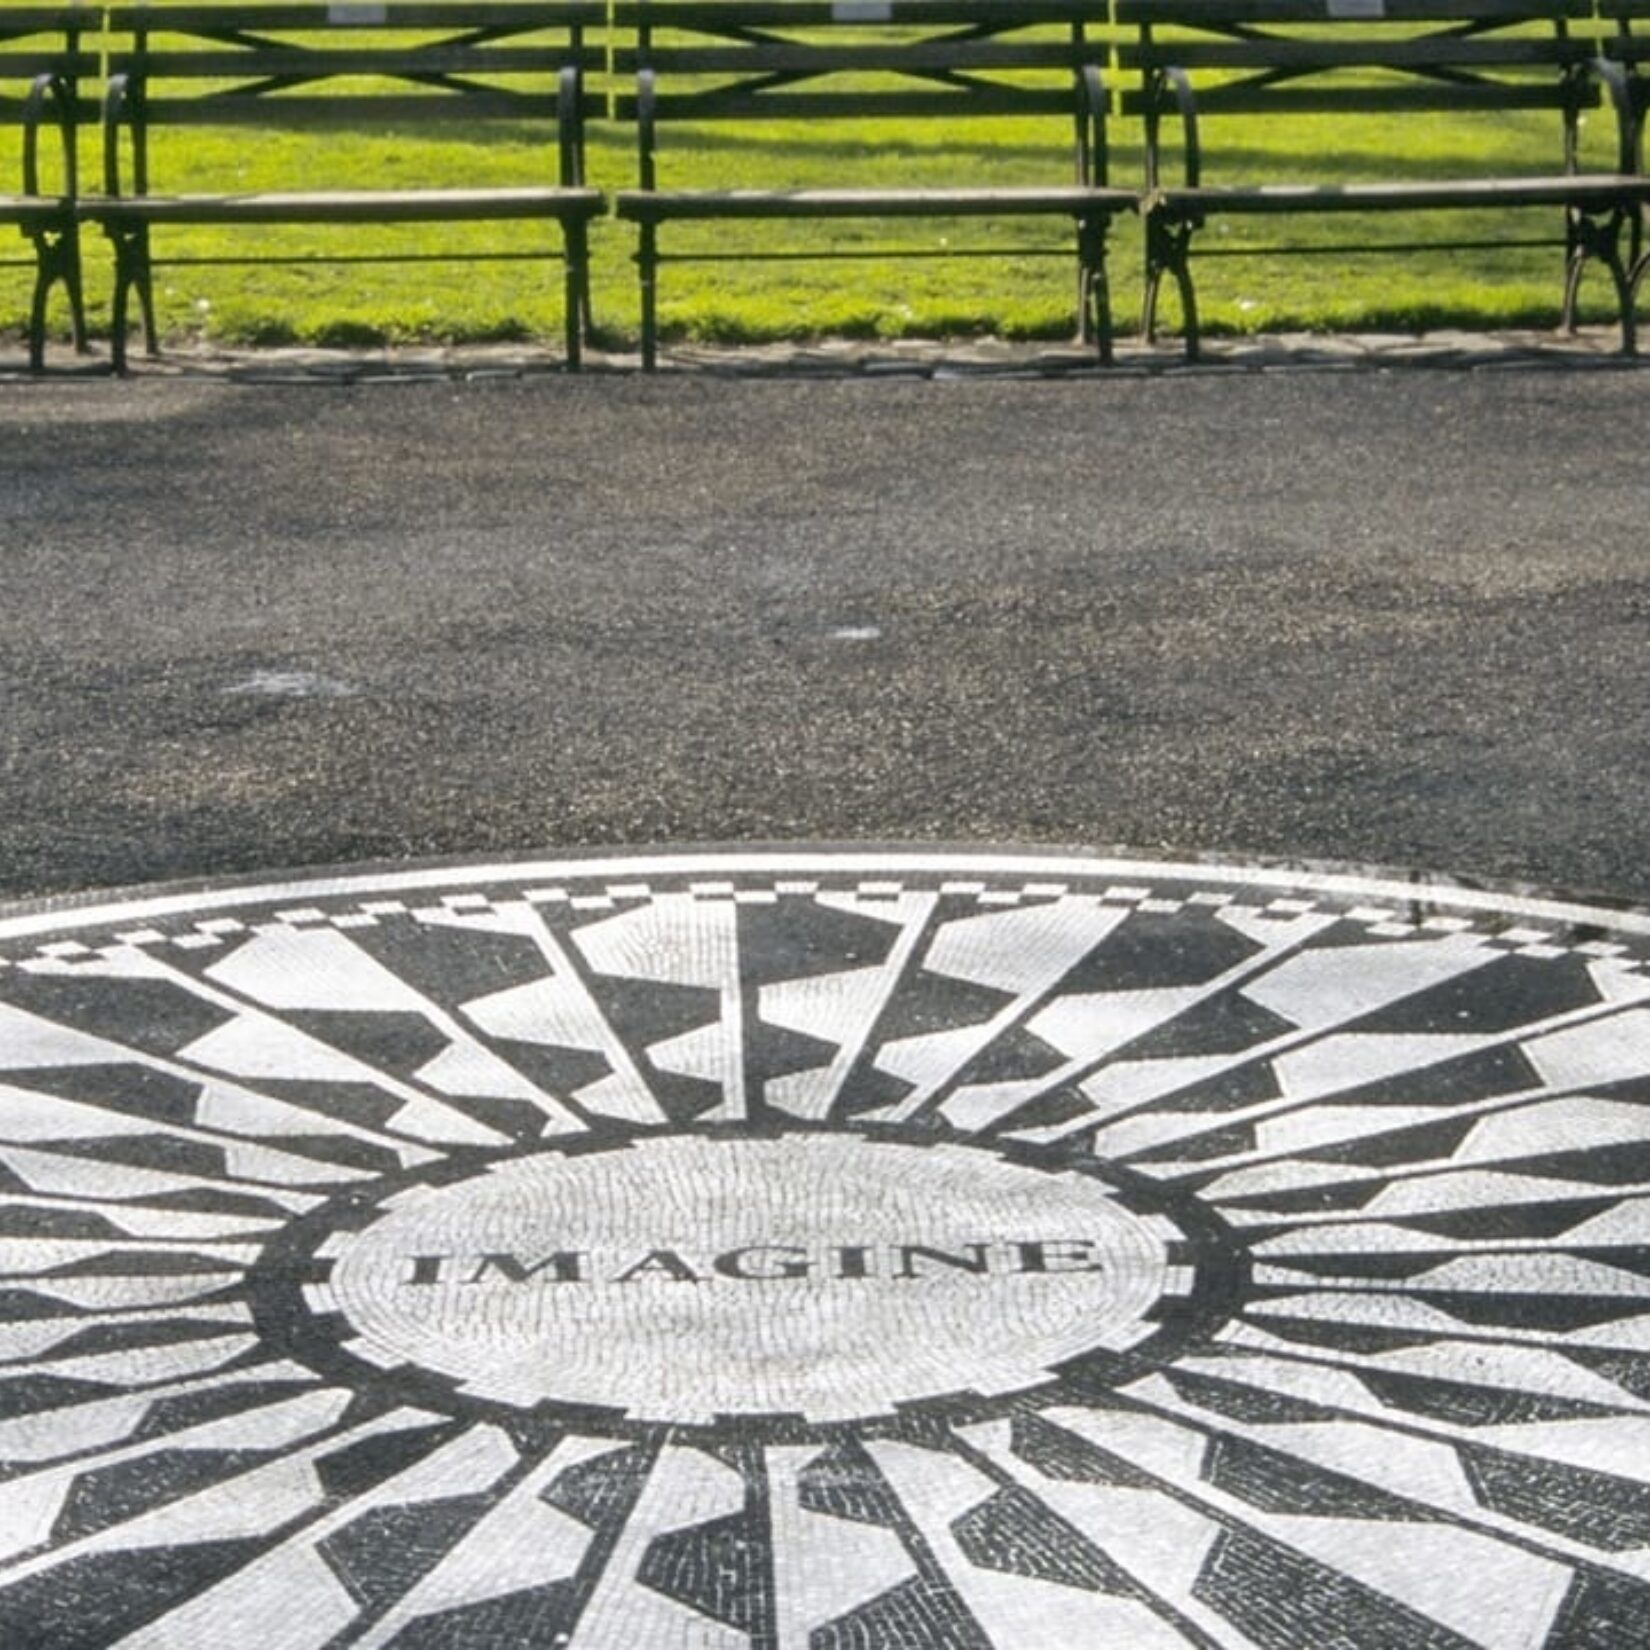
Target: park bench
700,63
42,63
1200,59
506,66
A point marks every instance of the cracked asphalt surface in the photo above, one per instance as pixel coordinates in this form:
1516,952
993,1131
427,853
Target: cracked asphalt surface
1388,617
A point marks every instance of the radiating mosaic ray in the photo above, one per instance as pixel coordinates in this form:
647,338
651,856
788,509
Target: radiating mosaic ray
1384,1152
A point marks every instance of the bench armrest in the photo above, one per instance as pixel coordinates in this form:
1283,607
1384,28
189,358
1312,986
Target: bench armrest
1629,132
1164,87
647,104
1092,162
46,88
120,107
570,125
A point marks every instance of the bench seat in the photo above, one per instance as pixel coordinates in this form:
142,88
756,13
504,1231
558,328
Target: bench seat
36,211
1076,201
1596,190
348,206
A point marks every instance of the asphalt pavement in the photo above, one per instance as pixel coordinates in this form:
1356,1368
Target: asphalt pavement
1389,617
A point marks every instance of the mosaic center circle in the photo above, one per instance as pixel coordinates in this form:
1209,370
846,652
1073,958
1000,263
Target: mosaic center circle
688,1277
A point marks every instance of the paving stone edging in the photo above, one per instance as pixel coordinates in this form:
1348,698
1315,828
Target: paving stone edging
1590,347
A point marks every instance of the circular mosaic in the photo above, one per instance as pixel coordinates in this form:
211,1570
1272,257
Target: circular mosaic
816,1250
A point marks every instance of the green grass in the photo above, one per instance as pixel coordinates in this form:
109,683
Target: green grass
883,294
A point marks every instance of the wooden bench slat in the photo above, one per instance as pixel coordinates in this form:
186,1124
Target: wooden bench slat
26,65
294,109
60,20
322,16
1259,13
1425,53
831,58
725,14
451,60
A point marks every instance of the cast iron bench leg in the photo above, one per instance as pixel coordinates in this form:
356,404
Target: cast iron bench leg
577,290
1591,235
1168,251
1093,289
73,285
1635,279
131,244
43,277
647,264
56,258
1085,285
587,315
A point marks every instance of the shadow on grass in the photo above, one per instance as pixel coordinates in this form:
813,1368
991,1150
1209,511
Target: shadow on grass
266,332
618,137
1399,318
271,332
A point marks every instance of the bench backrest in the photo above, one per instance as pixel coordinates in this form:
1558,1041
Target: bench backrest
1357,56
352,61
54,40
36,40
858,59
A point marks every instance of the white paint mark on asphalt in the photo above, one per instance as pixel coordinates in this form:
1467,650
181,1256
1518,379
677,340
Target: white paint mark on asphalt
292,684
856,633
